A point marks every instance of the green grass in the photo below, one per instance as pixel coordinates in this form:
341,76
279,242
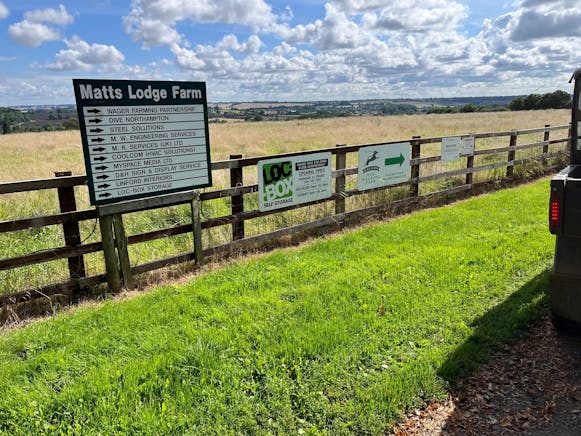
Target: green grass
340,336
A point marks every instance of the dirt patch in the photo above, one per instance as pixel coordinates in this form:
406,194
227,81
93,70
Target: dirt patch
532,387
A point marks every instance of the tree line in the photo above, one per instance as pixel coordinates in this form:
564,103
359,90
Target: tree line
551,100
16,121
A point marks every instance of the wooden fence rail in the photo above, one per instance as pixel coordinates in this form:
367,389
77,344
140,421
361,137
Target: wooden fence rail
75,250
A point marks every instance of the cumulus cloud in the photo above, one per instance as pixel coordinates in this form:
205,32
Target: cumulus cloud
35,29
4,12
83,56
540,36
536,23
32,34
53,16
153,22
416,16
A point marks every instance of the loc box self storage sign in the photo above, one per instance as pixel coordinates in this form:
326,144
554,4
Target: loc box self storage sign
143,138
288,181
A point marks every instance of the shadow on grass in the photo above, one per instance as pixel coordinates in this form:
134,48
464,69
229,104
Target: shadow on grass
505,322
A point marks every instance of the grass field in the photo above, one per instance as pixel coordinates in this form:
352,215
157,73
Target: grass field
31,156
339,336
38,155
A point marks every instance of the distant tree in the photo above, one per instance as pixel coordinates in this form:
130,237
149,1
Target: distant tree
551,100
71,124
443,110
516,104
531,101
468,108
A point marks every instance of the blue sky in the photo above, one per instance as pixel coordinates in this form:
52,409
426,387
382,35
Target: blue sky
251,50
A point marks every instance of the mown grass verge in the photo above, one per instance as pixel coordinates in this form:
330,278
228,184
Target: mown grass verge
339,336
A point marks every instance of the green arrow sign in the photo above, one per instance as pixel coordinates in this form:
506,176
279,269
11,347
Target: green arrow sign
395,160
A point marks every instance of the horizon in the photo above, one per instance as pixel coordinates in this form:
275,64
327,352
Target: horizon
293,51
314,101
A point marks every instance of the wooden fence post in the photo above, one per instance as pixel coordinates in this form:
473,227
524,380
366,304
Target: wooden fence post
111,261
415,168
340,164
470,165
236,180
511,155
546,137
197,229
72,233
122,251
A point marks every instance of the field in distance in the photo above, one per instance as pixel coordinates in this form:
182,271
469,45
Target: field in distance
27,156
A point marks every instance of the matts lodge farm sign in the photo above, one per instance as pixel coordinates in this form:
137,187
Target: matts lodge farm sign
143,138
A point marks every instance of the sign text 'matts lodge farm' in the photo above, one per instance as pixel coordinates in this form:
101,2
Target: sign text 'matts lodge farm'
143,138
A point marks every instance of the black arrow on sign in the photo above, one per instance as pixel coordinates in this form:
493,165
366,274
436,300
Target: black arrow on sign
101,158
96,120
106,194
97,139
99,149
102,177
102,167
97,130
104,185
94,111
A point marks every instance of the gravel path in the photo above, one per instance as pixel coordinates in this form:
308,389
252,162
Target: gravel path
531,387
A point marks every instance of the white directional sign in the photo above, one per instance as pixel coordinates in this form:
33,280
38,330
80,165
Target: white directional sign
383,165
143,138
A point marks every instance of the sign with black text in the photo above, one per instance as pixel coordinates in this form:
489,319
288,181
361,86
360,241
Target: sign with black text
284,182
143,138
383,165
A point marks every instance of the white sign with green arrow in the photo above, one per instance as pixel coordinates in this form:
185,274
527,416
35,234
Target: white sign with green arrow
383,165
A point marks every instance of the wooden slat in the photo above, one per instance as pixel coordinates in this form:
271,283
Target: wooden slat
147,203
48,255
50,290
49,220
39,184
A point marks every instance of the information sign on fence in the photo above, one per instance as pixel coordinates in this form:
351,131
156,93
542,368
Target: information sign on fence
143,138
467,145
451,148
294,180
383,165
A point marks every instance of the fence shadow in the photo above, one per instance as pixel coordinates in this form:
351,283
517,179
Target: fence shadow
505,322
530,386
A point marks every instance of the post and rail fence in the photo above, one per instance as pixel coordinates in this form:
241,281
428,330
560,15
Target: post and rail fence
113,243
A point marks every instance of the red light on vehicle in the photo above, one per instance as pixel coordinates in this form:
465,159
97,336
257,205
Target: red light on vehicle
555,213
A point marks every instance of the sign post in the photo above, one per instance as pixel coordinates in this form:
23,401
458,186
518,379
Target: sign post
142,139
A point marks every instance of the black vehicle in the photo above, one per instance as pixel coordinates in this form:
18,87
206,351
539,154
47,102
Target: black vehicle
565,222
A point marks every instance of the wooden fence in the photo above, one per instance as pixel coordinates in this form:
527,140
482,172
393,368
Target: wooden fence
462,179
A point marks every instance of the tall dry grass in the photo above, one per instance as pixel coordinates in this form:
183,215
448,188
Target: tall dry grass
38,155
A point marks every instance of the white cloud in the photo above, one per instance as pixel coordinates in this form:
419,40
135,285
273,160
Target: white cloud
153,21
32,31
32,34
540,37
529,24
83,56
4,12
417,16
53,16
335,31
